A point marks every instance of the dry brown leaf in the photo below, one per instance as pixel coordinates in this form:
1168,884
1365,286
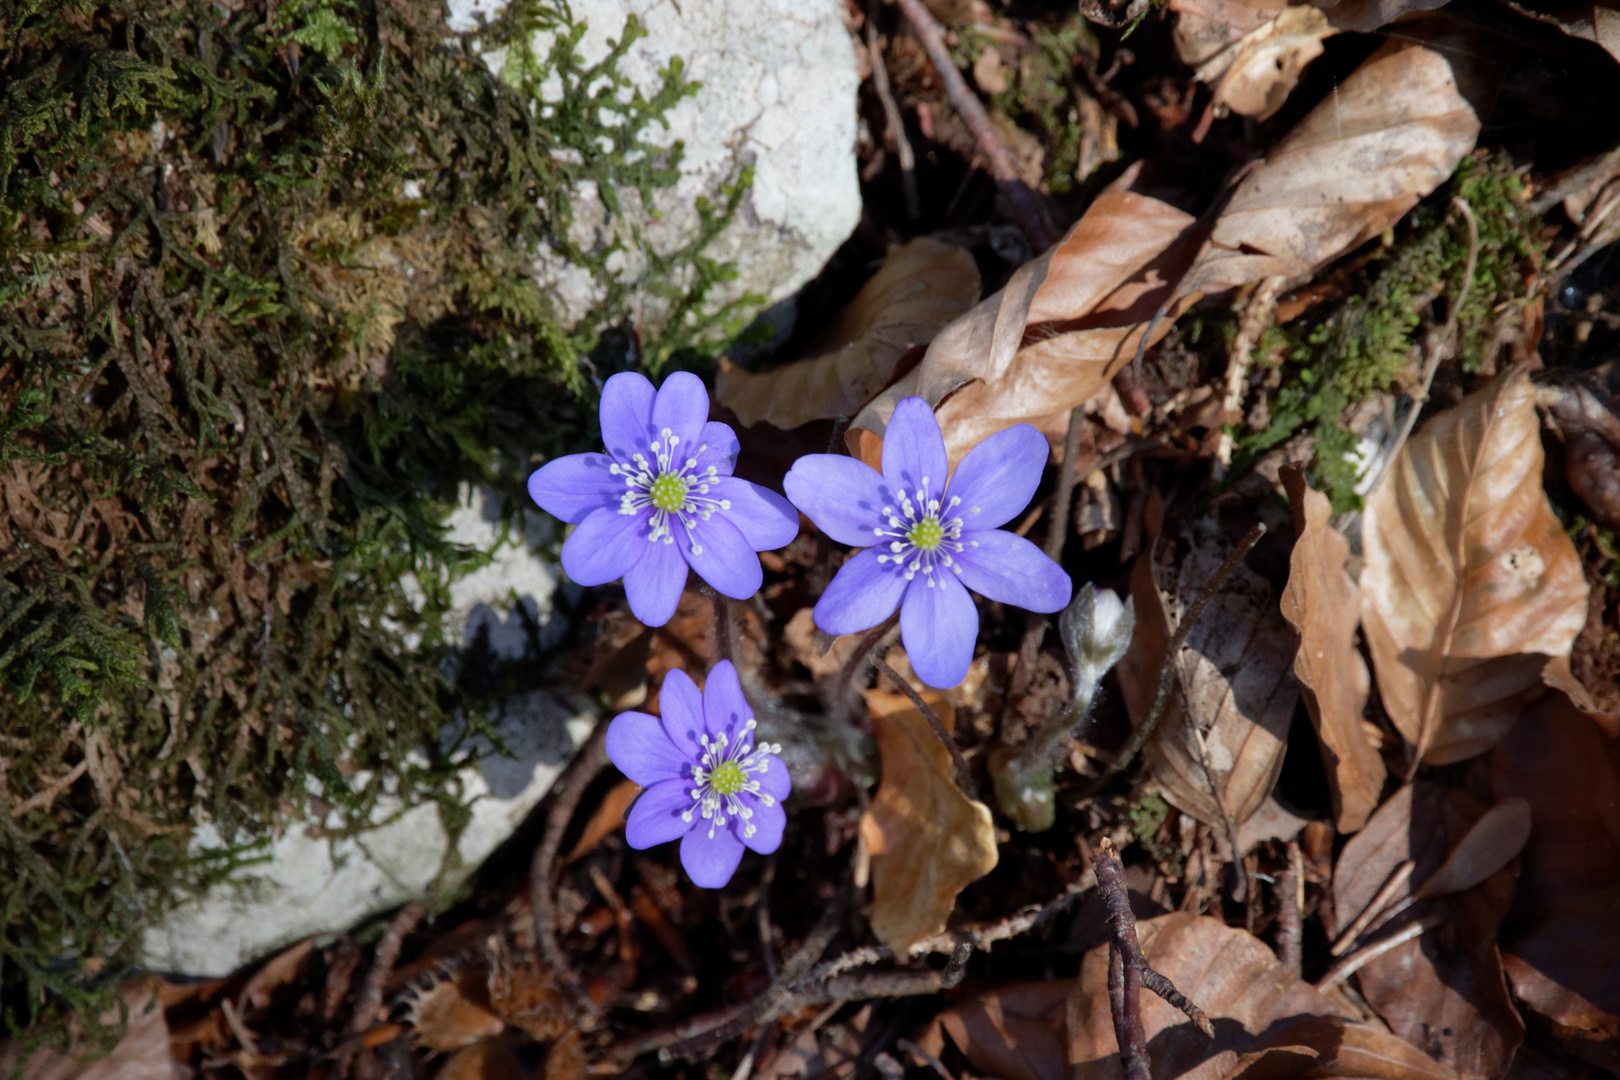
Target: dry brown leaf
451,1013
1323,606
927,840
1053,337
1470,582
1563,951
1445,990
1392,133
608,818
275,973
1598,23
921,287
1256,1003
492,1060
800,636
1013,1032
1235,682
1252,52
141,1054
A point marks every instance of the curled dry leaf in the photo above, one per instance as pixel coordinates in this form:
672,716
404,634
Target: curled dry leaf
1445,990
1393,132
1265,1016
921,287
1470,583
1057,333
1323,606
1234,683
1013,1032
450,1013
927,840
1562,949
1252,53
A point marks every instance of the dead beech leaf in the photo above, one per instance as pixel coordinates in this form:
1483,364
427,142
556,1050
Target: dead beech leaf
1053,337
1445,990
1235,685
1323,606
1256,1003
607,818
275,973
920,287
1013,1032
1252,53
1563,949
1392,133
1470,582
927,840
141,1054
450,1013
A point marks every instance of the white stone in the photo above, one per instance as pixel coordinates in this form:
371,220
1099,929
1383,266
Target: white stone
779,84
308,883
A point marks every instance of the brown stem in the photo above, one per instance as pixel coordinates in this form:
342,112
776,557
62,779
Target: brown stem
1129,971
894,124
1290,916
964,775
369,1002
1167,668
592,760
1023,202
855,666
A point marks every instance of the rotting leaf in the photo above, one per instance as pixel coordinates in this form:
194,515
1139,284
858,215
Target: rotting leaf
1323,606
1389,135
921,287
141,1054
1470,583
1057,333
1235,684
1562,948
1256,1003
1444,990
1014,1032
927,840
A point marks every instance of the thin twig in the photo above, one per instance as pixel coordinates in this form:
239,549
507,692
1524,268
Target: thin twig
763,912
382,966
723,644
1240,890
1129,971
43,799
925,1057
894,124
1290,910
964,775
1356,960
1021,200
592,759
1168,667
855,666
1381,899
1258,313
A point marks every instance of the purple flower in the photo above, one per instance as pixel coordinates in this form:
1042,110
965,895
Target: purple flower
930,537
662,499
707,783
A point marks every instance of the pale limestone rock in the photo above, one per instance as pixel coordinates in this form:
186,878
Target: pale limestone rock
779,84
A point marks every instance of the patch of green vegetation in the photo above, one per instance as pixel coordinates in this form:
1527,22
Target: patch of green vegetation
1147,815
268,297
1372,340
1044,96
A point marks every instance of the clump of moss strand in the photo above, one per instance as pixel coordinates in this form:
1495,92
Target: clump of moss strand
268,297
1371,341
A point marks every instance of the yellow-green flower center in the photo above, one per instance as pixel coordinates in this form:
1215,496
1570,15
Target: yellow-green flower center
728,778
926,534
668,492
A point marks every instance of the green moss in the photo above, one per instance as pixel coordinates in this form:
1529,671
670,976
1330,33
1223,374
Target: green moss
269,296
1371,340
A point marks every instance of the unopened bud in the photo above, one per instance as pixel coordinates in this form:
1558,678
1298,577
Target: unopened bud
1096,628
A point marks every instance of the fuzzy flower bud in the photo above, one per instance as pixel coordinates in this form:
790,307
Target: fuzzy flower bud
1096,629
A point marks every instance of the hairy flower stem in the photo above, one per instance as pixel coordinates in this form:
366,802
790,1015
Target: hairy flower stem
855,666
1025,784
723,645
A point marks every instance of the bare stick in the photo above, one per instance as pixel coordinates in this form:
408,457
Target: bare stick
1290,913
894,124
1356,960
592,760
1167,668
1381,900
1258,313
964,775
1129,972
1003,166
382,966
